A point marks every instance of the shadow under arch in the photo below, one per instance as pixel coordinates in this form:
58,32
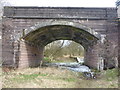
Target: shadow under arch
60,22
48,31
48,34
44,33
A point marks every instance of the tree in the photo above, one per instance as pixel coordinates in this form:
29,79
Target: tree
63,47
74,48
54,49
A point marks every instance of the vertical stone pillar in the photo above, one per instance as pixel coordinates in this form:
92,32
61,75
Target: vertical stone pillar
7,42
0,39
118,42
118,12
92,57
29,56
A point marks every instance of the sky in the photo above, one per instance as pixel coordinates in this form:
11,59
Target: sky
64,3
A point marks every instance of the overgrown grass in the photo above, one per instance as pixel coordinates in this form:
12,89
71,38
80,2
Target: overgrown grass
57,78
66,79
27,77
62,59
111,74
70,79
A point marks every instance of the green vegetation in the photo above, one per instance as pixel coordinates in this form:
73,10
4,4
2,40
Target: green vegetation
26,77
70,79
60,59
46,59
62,48
111,74
58,78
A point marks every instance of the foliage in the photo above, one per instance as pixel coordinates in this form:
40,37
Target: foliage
53,49
46,58
63,47
74,49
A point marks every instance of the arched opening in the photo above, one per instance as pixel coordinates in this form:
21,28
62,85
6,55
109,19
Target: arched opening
64,51
45,35
41,36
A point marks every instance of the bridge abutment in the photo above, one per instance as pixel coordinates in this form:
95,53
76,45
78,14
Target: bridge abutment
29,56
92,57
118,12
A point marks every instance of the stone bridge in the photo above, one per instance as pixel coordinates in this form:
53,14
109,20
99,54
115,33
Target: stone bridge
27,30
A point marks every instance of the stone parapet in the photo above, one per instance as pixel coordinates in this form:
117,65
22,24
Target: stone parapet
60,13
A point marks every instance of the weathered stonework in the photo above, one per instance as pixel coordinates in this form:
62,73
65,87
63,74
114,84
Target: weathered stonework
29,56
118,13
42,25
119,44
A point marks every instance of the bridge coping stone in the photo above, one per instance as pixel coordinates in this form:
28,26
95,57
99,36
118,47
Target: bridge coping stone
62,12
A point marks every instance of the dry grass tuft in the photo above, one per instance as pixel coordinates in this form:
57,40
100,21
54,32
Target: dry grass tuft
52,77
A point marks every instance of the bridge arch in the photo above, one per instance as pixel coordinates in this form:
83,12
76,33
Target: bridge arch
44,33
60,22
15,19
